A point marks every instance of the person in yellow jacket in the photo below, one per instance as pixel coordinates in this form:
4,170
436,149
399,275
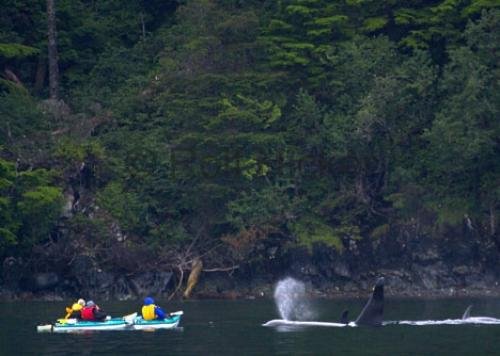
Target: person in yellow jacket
75,309
150,311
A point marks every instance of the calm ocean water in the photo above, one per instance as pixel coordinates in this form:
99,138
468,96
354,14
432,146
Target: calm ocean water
235,328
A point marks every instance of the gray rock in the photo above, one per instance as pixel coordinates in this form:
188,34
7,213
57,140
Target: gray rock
428,255
69,200
461,270
341,269
433,276
12,272
350,287
57,108
43,281
150,283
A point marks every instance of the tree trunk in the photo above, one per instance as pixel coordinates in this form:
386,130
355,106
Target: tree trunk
41,71
143,27
360,188
53,57
493,222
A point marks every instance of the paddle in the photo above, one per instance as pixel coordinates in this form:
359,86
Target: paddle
129,319
48,327
169,315
67,321
176,313
44,328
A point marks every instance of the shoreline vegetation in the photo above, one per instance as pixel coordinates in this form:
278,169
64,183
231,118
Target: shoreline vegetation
209,147
266,292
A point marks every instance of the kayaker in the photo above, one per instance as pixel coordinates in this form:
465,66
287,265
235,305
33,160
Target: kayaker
92,312
150,311
74,311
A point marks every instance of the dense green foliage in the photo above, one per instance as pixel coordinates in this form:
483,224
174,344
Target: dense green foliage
291,122
30,206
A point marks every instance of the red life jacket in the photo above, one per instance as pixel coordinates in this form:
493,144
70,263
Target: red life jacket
87,313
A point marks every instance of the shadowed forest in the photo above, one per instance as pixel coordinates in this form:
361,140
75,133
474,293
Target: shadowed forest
231,141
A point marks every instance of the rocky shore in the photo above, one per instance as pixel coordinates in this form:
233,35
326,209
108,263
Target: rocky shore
262,291
420,267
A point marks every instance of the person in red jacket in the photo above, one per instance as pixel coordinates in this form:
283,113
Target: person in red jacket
92,312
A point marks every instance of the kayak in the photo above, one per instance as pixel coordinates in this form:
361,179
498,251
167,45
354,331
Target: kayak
128,322
168,323
72,325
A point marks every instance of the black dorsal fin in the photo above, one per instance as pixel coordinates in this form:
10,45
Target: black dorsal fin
344,317
373,312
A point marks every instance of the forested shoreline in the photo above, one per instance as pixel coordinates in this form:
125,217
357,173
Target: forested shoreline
236,142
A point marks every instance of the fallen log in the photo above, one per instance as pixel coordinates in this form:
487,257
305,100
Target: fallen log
194,275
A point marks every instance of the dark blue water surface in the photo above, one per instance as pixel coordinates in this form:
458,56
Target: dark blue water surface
221,327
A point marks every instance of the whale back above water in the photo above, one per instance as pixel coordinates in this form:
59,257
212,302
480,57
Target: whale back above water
372,315
373,312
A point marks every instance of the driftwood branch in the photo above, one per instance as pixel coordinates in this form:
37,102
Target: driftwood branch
222,269
194,275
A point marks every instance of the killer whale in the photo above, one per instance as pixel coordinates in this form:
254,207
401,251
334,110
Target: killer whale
373,312
371,315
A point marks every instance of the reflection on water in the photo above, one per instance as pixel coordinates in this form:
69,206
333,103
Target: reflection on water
235,328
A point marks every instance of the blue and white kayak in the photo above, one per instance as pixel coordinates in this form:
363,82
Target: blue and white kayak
74,325
128,322
168,323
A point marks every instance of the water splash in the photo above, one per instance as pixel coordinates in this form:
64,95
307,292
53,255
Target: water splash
471,320
291,301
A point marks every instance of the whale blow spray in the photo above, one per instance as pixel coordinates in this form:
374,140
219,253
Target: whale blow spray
291,301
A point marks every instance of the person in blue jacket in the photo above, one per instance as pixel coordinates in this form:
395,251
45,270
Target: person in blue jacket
150,311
